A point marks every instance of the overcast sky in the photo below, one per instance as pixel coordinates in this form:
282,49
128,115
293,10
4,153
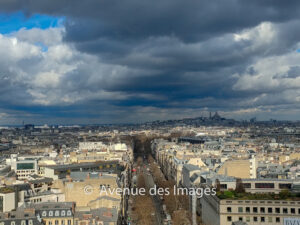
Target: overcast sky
111,61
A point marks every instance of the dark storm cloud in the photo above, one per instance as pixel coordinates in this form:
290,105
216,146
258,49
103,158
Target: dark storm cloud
169,54
134,19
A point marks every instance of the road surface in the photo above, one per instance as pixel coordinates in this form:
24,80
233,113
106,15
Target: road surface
155,198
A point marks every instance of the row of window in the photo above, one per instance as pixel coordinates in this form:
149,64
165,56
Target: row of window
262,185
25,171
36,200
265,210
268,185
261,219
23,222
62,222
57,213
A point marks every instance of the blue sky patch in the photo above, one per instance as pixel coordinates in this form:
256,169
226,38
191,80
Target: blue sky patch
42,46
15,21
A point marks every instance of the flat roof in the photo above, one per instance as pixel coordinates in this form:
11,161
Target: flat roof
80,165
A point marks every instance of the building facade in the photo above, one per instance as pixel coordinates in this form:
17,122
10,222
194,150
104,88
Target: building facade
253,212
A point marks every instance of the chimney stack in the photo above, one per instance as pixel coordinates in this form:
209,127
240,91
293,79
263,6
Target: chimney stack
7,215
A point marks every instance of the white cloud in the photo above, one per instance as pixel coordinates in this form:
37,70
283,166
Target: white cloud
59,76
261,35
270,73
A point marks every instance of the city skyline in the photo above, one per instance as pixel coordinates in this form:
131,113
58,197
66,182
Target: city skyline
100,62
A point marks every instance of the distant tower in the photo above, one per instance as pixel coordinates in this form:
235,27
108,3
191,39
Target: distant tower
216,116
209,115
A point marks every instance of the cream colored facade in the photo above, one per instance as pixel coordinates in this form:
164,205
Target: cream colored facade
42,164
58,221
253,212
290,157
236,168
97,151
7,201
88,193
172,161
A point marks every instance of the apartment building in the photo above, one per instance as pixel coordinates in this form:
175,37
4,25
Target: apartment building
100,147
7,199
250,185
61,171
84,188
96,217
239,168
37,189
254,212
20,217
59,213
23,166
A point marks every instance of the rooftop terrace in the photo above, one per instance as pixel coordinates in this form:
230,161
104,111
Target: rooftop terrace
283,195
